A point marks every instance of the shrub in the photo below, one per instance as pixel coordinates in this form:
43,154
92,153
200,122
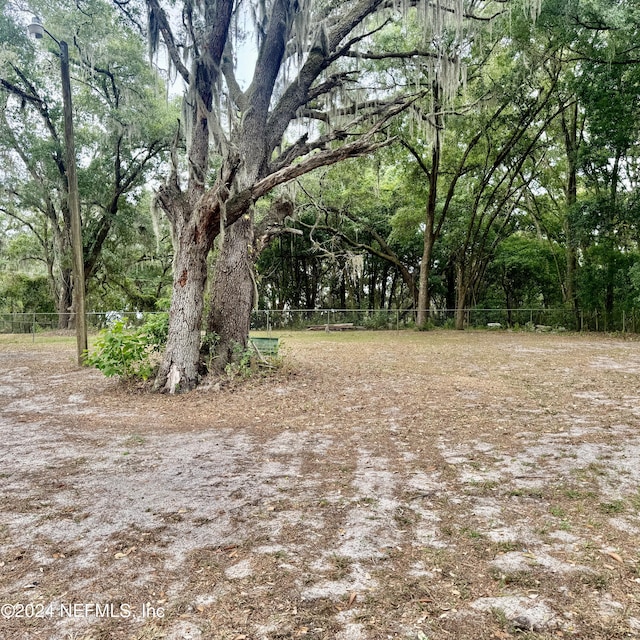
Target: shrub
379,320
127,353
156,329
242,364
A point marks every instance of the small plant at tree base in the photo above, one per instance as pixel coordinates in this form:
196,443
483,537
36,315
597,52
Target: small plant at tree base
242,362
126,353
247,362
208,346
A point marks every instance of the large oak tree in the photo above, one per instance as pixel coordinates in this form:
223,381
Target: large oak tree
306,105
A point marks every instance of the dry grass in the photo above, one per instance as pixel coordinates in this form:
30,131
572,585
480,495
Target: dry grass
381,485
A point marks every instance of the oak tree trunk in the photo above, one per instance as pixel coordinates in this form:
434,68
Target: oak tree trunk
180,369
64,299
461,296
424,298
424,301
233,293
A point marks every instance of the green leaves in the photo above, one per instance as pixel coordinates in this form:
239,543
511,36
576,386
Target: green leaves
127,353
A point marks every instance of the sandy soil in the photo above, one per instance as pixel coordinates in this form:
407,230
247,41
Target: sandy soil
381,485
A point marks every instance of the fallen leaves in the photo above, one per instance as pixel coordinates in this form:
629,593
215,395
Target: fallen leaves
297,524
615,556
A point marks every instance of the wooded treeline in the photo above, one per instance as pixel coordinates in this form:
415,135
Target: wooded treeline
373,155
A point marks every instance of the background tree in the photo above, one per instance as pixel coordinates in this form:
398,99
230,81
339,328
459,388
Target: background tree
121,131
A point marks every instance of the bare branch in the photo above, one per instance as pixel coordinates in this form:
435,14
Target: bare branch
383,110
236,94
297,93
167,36
412,150
272,224
26,223
399,55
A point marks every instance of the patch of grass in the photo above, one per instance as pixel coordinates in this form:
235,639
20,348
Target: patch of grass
405,517
481,487
341,563
576,494
472,533
436,555
611,508
506,546
524,579
536,494
599,581
557,512
41,338
596,469
500,617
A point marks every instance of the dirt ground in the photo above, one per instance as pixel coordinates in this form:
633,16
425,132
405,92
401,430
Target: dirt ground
409,485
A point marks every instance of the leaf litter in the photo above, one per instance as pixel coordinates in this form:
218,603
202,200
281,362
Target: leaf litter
382,485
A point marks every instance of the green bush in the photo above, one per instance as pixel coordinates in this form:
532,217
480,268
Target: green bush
242,364
377,321
127,353
156,329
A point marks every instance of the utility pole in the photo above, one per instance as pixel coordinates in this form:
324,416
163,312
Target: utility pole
79,302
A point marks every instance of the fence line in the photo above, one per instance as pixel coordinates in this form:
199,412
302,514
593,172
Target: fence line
627,321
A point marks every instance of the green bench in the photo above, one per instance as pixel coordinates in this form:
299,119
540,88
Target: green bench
265,346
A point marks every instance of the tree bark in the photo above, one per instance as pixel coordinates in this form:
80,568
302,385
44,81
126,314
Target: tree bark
424,301
461,295
64,299
570,129
180,369
233,293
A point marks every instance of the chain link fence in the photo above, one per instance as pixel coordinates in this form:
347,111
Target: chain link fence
523,319
372,319
50,322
